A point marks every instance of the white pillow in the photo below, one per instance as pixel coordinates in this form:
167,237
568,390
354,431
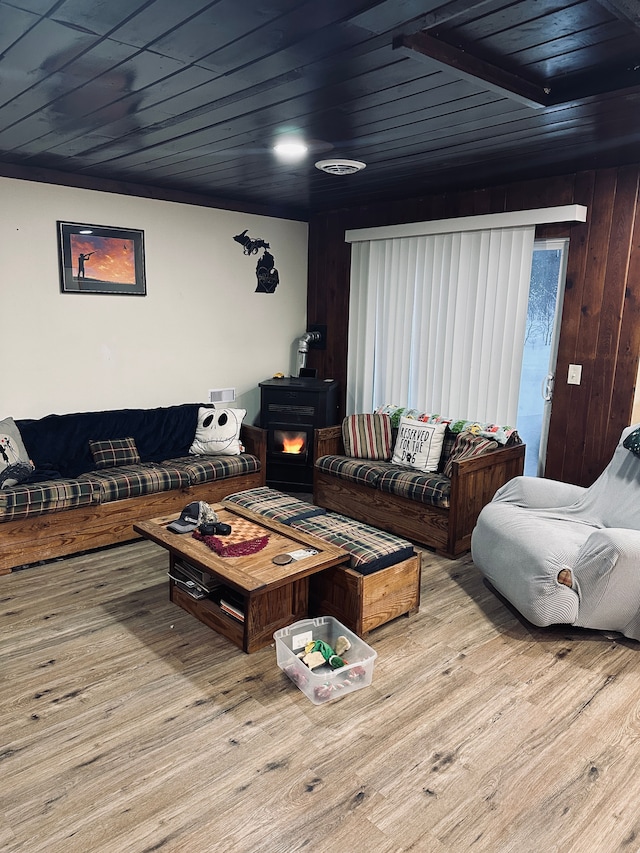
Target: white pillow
218,432
15,465
419,445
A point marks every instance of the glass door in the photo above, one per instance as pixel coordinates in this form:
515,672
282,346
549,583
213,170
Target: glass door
546,291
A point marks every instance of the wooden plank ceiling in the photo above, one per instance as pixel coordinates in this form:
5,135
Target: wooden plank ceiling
190,96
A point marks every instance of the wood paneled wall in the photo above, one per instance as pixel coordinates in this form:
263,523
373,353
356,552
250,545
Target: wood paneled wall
601,312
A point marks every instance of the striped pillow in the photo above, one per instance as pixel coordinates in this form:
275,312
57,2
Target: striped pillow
114,452
467,445
367,436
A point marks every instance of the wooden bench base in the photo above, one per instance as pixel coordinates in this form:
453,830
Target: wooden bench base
364,602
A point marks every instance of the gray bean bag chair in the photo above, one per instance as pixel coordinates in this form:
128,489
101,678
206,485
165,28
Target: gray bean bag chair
566,554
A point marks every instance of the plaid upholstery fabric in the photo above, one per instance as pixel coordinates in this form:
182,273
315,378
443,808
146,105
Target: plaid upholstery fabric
274,504
354,470
369,549
367,436
447,448
206,469
115,484
468,445
434,489
114,452
24,501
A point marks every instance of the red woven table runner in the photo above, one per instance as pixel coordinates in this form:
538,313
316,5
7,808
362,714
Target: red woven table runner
232,549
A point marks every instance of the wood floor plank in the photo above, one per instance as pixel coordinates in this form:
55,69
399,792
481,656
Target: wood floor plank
126,725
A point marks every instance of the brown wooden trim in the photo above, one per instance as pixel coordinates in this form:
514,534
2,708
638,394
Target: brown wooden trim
90,182
472,68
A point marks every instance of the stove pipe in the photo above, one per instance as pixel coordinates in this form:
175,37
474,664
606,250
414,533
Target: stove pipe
303,347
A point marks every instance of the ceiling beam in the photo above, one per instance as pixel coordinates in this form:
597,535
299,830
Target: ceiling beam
423,46
626,10
453,10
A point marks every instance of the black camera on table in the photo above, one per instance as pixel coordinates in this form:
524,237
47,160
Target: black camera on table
214,528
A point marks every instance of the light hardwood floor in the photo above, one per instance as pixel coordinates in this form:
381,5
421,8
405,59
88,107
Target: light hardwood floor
128,726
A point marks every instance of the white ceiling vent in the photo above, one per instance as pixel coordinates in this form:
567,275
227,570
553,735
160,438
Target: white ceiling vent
340,167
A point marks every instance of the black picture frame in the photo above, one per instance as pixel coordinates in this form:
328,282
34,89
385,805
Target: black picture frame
101,259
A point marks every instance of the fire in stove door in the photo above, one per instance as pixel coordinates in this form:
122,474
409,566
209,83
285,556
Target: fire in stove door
289,444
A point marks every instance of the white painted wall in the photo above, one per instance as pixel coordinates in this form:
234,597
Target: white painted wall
200,326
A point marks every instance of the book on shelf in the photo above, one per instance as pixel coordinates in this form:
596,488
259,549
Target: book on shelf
231,609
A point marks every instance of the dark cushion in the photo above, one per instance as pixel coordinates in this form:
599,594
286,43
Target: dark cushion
61,442
426,488
274,504
115,484
26,501
353,470
206,469
369,549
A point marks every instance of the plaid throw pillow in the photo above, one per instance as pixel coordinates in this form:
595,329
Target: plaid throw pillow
114,452
367,436
467,445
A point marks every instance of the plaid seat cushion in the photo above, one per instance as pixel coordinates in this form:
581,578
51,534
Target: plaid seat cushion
24,501
274,504
354,470
369,549
434,489
206,469
130,481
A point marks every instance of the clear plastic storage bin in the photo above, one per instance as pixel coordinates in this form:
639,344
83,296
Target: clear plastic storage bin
324,683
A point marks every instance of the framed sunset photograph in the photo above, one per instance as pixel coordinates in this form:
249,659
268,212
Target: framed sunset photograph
101,259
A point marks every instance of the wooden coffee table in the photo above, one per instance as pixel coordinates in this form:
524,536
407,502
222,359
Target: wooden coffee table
271,595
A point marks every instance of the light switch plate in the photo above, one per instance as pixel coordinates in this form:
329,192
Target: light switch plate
575,374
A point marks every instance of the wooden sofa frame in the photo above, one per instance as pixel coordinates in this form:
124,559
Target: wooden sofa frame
58,534
474,482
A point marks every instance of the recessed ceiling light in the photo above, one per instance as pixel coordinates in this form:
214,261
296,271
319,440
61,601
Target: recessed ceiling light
340,167
290,150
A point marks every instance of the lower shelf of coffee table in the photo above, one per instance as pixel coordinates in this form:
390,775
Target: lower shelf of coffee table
264,613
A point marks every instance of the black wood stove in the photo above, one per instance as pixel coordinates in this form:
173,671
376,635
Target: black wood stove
290,410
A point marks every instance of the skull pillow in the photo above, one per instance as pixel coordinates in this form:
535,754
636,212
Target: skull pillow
218,432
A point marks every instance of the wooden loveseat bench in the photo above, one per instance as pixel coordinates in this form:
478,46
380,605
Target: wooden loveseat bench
96,473
437,508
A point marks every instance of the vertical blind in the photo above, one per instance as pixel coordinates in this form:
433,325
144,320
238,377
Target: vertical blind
437,322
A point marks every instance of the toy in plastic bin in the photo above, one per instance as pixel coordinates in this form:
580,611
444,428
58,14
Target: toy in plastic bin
331,679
